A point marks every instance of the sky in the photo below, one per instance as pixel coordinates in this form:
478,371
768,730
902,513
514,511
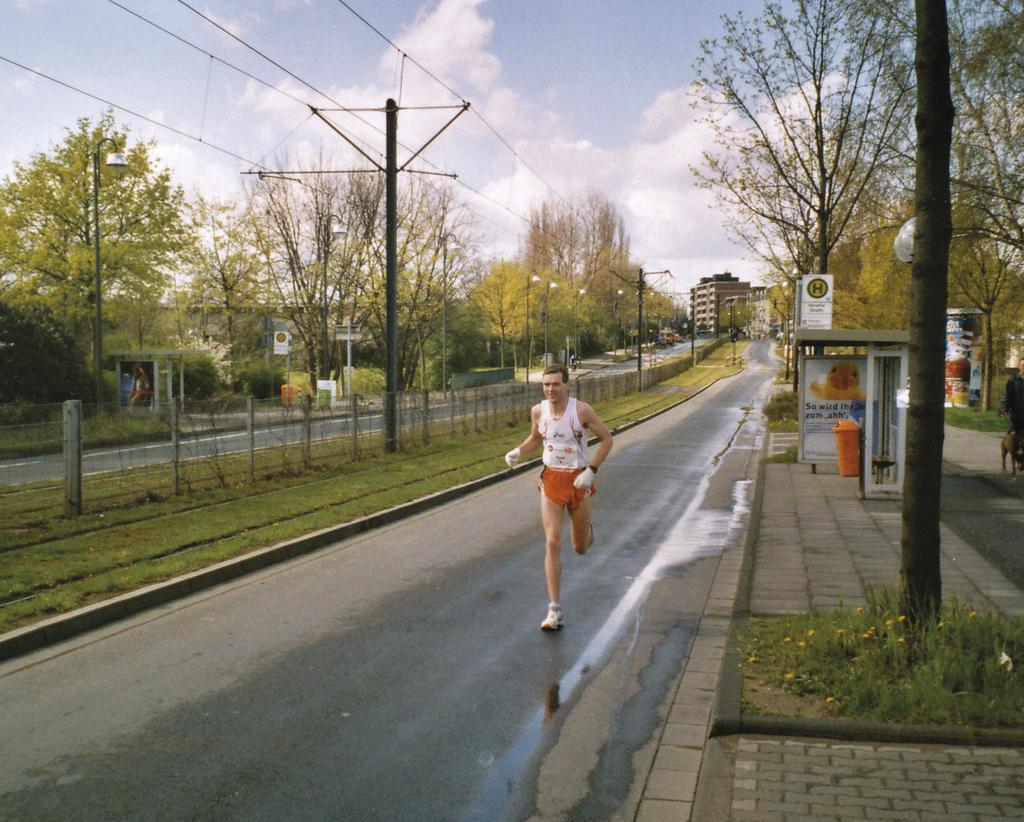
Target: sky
567,97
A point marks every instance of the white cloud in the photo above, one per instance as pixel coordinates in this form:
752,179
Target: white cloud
451,41
197,169
19,87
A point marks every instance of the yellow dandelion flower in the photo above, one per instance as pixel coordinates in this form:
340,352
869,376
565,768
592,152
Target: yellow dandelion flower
900,640
751,659
840,632
801,644
941,624
787,639
972,614
828,699
789,677
859,610
888,623
811,632
902,618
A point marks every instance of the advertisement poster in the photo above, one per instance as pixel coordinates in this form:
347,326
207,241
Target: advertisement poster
959,343
833,390
136,383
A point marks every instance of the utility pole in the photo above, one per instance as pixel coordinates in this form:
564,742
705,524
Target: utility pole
640,335
391,277
390,169
693,328
641,332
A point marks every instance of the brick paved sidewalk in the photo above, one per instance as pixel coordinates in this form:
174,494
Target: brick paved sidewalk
795,779
818,545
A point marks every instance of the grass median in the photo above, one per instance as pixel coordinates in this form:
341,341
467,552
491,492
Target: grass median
56,565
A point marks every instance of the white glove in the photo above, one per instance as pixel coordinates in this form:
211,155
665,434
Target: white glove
586,479
512,458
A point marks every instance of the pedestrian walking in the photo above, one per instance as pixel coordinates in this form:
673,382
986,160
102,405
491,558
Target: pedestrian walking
1012,404
567,479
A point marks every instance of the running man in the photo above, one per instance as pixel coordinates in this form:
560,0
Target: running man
567,480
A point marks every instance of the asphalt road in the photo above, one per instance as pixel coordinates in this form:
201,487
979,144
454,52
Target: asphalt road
985,511
401,675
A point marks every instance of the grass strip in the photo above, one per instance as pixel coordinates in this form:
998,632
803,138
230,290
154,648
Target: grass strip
964,668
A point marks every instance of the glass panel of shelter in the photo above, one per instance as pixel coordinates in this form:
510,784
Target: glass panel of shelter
885,422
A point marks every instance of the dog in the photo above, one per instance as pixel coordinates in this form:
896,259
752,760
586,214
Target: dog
1009,445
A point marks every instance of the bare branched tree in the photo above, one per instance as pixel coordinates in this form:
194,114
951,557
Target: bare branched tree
309,233
806,110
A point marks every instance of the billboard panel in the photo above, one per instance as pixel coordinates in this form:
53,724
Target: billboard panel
833,389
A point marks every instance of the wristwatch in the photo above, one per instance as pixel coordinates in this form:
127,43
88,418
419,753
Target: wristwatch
593,468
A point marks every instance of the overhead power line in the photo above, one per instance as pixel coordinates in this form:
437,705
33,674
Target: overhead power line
206,53
133,113
406,56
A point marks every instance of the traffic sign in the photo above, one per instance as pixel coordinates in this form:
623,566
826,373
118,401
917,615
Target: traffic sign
816,301
343,333
282,342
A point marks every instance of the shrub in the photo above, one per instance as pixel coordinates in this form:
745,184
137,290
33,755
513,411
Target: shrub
781,411
260,380
41,362
201,378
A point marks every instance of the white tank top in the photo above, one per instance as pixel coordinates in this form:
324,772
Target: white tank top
565,440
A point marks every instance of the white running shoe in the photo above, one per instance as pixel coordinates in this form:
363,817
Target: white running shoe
553,621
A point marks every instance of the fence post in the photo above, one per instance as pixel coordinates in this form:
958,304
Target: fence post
426,417
399,418
307,424
476,410
175,447
451,407
250,430
73,458
354,425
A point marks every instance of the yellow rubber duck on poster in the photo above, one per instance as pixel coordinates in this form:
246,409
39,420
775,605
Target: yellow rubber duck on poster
842,382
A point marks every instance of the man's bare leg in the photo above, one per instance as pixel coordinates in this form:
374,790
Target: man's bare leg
579,526
551,517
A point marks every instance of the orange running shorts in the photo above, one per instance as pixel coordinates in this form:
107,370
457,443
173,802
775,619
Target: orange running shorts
557,486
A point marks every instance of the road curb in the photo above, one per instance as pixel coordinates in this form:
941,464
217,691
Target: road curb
67,626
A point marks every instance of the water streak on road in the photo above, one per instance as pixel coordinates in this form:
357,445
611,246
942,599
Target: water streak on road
696,533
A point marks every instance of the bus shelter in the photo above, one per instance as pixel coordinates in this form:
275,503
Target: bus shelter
146,377
859,375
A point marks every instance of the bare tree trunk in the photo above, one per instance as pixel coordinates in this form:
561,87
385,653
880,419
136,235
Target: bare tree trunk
922,582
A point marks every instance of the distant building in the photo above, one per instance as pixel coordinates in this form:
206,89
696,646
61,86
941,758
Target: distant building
710,295
760,313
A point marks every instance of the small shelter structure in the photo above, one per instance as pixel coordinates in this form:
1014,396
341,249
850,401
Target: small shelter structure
860,375
146,376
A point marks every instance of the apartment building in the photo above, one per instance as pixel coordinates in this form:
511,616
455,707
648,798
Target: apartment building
711,295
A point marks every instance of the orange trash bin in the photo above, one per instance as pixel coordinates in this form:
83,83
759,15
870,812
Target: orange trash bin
848,447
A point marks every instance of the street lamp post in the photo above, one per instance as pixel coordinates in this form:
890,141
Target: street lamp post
575,327
444,308
114,160
526,338
547,291
618,320
328,235
732,326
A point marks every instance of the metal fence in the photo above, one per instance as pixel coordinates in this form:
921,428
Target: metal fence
124,459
